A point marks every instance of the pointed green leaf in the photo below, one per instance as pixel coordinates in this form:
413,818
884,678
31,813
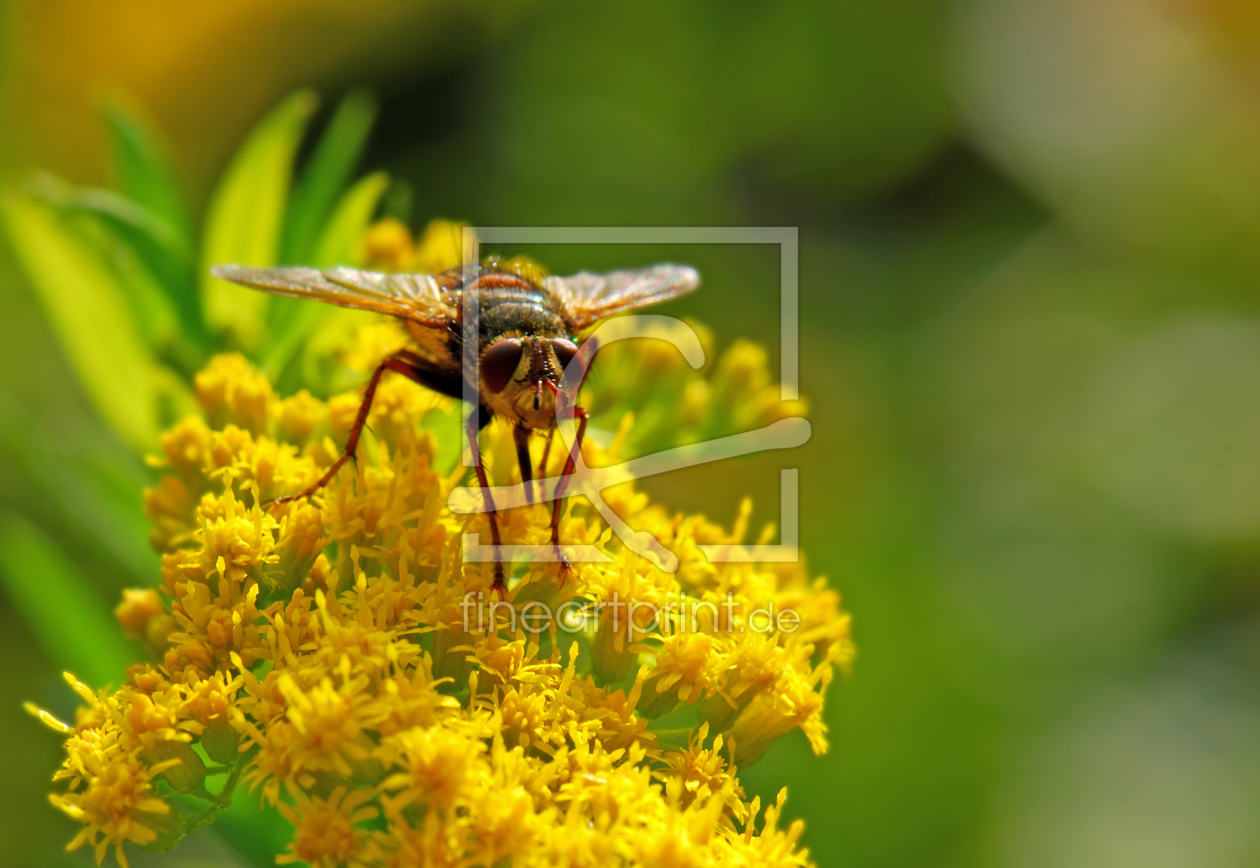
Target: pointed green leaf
65,612
162,233
117,208
142,166
325,175
162,286
246,213
89,313
150,305
151,259
158,248
341,240
338,244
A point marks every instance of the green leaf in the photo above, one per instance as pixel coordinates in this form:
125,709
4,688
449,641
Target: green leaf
93,483
325,175
118,209
158,250
169,288
150,302
162,291
143,169
246,213
338,244
63,610
158,227
89,313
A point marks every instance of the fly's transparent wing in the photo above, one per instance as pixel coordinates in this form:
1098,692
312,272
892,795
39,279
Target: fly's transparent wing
587,298
415,297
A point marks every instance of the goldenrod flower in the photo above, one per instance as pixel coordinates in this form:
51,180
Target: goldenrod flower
339,657
326,834
700,773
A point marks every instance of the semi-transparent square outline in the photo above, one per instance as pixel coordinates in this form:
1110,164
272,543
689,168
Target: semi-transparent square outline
787,240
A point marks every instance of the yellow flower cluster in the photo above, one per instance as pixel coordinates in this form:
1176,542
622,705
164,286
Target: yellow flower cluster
339,657
388,246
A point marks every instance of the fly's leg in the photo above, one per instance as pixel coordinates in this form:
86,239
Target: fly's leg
570,465
520,434
542,465
499,586
401,362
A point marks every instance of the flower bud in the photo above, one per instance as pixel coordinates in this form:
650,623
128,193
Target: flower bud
614,656
387,246
655,702
220,741
794,704
720,711
184,450
231,390
138,607
182,768
301,540
683,671
441,247
168,505
166,827
298,416
452,648
158,632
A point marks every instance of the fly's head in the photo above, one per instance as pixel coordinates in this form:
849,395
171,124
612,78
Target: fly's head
521,377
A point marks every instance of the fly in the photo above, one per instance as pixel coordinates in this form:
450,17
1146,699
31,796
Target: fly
528,330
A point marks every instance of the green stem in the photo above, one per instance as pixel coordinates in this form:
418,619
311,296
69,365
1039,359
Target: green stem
217,802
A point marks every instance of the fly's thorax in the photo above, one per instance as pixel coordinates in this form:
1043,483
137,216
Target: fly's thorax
509,303
520,376
520,314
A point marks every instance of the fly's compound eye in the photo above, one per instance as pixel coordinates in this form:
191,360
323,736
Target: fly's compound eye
565,351
499,363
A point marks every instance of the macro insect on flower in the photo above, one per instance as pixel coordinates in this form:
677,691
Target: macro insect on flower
326,659
525,334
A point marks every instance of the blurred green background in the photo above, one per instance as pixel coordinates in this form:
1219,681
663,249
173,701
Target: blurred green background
1030,335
